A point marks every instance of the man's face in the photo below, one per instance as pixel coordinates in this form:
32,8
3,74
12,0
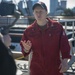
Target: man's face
39,13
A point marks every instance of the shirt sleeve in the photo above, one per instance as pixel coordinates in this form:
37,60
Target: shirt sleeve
64,45
24,37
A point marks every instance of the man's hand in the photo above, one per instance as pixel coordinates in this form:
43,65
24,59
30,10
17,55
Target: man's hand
63,66
27,45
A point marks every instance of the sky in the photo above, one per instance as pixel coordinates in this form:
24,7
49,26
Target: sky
70,3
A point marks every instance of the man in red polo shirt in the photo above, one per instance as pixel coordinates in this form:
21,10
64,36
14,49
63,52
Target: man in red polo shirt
47,40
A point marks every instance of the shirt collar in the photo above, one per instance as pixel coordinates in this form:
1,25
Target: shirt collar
49,24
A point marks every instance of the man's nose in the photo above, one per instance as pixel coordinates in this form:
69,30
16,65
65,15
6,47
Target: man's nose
38,13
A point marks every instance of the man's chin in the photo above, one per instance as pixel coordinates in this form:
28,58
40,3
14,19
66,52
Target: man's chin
39,19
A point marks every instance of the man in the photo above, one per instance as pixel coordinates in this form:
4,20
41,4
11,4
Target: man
46,39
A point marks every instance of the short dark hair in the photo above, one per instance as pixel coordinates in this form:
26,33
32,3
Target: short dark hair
41,4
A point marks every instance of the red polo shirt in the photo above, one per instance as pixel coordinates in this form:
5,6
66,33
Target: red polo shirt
46,48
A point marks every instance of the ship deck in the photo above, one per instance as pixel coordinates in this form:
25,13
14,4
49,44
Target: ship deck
22,66
22,71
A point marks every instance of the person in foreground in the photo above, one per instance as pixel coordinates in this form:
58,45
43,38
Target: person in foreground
7,63
46,39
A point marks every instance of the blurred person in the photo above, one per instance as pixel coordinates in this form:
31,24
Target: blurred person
7,62
7,40
6,36
46,39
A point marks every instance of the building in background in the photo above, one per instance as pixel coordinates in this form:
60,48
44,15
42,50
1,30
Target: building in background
63,3
34,1
53,6
61,7
30,3
25,6
22,6
73,9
